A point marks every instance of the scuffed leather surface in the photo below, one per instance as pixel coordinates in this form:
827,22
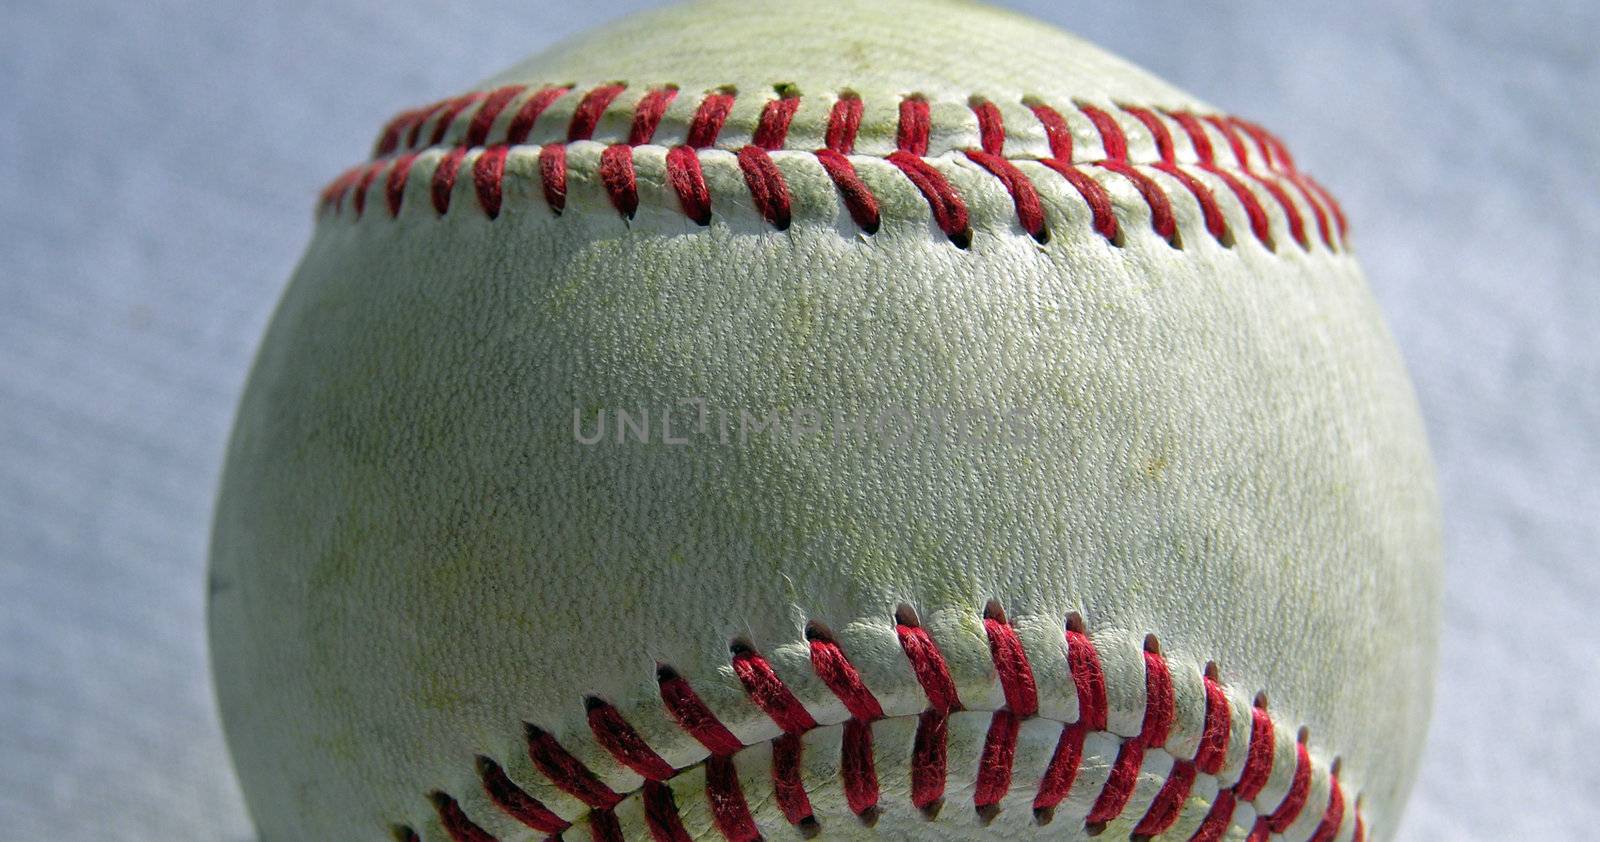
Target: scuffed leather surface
412,556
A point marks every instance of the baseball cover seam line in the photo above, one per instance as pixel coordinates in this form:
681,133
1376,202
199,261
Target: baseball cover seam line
471,121
993,780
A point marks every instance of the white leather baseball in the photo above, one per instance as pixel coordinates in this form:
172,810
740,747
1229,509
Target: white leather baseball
1189,591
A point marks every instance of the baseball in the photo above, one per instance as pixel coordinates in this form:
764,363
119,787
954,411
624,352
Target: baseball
849,420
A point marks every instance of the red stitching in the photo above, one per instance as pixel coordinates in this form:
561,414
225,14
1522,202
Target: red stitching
1056,130
661,814
487,173
1113,142
768,190
603,826
1297,228
1259,225
553,172
568,772
708,119
1030,212
994,764
842,679
523,121
1162,219
1279,161
1333,815
368,174
1215,222
1063,768
1102,219
928,663
844,120
788,788
444,178
1113,798
773,127
768,692
991,127
683,173
728,807
1299,789
489,111
1158,702
1258,762
450,113
420,117
586,117
856,767
1214,735
855,194
1216,821
1011,662
928,759
616,736
455,822
616,174
648,113
693,716
949,212
911,135
1168,803
1088,679
516,802
394,187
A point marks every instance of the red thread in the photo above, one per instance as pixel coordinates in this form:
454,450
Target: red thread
333,194
773,127
788,789
616,174
856,767
841,676
1161,216
1259,832
420,117
1063,768
911,136
928,758
1112,140
991,127
1217,818
522,122
683,173
844,120
1259,225
449,115
1119,786
394,186
728,807
1011,662
488,171
603,826
661,814
857,197
1299,789
708,119
515,802
949,212
1333,816
693,716
553,173
455,822
1258,762
587,115
1088,679
928,663
1361,827
1242,155
1158,131
368,174
616,736
1030,212
1279,160
444,178
1158,704
767,691
648,113
1056,131
1214,735
1209,210
568,772
389,138
489,111
768,190
1168,803
1102,219
994,764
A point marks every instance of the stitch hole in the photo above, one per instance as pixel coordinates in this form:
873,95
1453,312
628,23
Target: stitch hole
992,610
1213,672
1333,770
786,90
1042,236
741,646
594,703
1094,828
809,827
1075,623
1303,736
1044,815
1152,644
987,813
401,833
1261,700
931,811
818,632
905,615
869,816
962,239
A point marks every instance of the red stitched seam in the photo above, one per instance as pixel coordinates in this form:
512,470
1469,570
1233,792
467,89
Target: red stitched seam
731,813
1258,156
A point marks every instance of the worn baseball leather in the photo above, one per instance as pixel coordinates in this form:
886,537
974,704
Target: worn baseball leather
415,555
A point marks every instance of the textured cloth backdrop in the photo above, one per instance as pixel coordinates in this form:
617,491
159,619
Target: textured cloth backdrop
158,163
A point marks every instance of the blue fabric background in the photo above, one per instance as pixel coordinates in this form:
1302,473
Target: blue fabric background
158,162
